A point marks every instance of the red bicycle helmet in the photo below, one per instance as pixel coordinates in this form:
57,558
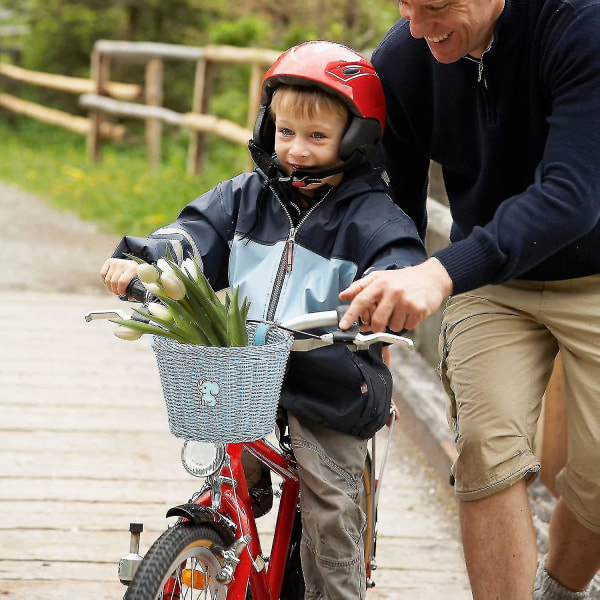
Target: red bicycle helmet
340,71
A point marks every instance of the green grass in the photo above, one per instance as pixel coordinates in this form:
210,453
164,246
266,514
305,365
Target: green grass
122,194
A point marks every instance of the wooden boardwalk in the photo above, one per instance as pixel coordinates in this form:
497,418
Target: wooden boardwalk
85,450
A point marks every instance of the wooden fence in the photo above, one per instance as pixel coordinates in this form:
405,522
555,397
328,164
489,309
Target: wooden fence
102,97
72,85
153,55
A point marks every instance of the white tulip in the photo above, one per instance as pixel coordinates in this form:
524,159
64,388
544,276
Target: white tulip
155,289
147,273
165,267
191,268
126,333
173,286
161,311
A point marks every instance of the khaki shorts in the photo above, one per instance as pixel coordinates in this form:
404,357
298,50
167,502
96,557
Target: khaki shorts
497,348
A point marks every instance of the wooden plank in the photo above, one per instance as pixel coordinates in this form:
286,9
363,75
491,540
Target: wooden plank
119,489
59,118
215,53
72,85
130,109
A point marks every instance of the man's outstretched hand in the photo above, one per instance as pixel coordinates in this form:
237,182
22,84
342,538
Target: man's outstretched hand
398,299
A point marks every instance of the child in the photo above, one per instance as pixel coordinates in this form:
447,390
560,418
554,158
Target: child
311,218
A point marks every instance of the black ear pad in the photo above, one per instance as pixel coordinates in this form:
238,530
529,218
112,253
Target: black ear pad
363,135
264,130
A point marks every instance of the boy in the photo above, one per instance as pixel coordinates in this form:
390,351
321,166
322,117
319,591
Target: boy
310,219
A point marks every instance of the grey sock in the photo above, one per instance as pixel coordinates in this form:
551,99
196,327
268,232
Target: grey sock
547,588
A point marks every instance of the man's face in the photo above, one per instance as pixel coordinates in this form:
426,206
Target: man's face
452,28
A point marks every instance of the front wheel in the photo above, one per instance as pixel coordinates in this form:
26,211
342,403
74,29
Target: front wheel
182,563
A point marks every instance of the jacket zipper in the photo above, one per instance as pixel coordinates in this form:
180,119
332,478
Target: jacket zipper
479,63
286,263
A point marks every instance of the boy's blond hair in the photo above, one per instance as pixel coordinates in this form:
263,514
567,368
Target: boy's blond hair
306,101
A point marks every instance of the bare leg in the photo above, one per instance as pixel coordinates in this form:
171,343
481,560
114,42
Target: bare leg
500,545
574,556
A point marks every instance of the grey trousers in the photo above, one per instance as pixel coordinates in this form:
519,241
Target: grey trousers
333,524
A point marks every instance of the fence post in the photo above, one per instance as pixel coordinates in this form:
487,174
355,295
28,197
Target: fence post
195,155
154,97
100,74
12,87
554,428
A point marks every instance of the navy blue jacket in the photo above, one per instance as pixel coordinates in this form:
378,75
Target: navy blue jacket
518,138
288,264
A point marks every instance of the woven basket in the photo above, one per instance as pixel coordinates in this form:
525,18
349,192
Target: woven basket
223,394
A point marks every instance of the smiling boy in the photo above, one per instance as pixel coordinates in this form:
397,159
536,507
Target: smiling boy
311,218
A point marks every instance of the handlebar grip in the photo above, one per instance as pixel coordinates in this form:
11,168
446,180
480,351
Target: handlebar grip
136,290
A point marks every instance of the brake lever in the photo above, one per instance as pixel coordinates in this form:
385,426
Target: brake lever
364,340
106,314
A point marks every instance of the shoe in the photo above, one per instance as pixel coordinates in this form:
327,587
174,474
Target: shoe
261,494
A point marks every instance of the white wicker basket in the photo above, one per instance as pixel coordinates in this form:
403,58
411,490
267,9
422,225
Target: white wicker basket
223,394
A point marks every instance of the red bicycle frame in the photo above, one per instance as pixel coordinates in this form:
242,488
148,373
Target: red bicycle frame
237,506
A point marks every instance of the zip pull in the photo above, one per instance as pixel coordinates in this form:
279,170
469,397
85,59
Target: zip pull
289,254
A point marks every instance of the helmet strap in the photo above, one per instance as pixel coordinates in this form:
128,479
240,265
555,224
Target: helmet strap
300,178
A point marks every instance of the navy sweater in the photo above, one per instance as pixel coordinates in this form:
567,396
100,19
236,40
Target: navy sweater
518,139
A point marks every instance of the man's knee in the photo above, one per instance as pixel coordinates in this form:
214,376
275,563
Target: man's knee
488,464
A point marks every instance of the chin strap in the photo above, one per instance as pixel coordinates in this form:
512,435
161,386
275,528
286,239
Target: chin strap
300,178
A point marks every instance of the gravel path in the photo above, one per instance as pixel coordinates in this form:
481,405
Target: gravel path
45,250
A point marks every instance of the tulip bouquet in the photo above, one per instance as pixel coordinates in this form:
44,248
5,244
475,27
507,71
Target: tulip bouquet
188,310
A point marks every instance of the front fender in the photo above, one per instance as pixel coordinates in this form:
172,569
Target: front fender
198,513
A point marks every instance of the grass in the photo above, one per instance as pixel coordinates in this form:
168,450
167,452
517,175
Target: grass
121,194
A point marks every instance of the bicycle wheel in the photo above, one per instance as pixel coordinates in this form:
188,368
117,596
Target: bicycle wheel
182,563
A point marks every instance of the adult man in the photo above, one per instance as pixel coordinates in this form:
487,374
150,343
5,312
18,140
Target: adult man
506,97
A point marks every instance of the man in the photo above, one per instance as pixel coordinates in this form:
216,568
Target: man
506,97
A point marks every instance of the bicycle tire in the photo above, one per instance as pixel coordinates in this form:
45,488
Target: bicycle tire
184,545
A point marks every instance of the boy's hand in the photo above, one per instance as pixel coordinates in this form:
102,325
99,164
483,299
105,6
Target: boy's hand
116,274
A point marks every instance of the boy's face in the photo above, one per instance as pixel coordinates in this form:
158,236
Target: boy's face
309,143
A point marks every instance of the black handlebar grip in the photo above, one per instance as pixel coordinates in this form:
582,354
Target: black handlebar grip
341,311
136,290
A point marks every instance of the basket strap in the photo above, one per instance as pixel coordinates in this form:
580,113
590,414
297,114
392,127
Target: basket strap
260,335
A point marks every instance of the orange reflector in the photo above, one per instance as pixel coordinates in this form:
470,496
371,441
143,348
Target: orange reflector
194,579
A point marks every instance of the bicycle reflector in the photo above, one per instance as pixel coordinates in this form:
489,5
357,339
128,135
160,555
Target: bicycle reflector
202,459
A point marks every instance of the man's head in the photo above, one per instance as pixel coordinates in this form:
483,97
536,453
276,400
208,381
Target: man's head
339,72
452,28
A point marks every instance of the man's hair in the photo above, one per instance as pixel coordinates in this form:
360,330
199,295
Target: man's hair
306,101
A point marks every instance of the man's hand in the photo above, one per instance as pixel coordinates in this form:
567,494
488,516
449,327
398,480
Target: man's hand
117,273
398,299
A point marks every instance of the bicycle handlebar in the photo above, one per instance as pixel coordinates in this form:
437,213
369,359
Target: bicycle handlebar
352,337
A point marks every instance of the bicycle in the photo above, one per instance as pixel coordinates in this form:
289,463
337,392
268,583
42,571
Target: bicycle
214,551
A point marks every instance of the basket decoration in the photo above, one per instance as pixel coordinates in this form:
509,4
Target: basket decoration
223,394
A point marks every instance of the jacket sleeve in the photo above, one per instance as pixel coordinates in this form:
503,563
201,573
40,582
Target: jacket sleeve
202,232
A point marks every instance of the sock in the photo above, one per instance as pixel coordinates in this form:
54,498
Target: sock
547,588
